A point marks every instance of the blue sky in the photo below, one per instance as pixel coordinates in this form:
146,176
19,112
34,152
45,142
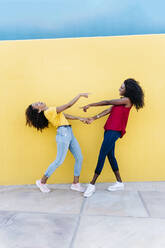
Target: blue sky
37,19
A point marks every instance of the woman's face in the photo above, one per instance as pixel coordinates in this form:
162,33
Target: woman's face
122,90
39,105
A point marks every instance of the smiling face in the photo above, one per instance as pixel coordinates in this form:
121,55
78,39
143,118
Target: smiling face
40,106
122,90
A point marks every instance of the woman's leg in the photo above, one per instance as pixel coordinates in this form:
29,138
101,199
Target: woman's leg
118,185
44,179
76,151
63,139
74,147
113,163
94,179
110,138
107,145
101,159
117,175
62,148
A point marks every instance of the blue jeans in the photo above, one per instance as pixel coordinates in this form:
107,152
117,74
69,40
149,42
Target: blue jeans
108,149
66,140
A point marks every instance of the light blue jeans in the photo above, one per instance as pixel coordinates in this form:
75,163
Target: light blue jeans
66,140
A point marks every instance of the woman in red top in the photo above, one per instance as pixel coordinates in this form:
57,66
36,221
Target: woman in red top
131,94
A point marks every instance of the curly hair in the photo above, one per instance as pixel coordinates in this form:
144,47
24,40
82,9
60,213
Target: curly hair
134,92
36,119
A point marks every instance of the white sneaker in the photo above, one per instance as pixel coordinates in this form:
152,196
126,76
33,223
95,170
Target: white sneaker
90,190
116,186
77,187
43,187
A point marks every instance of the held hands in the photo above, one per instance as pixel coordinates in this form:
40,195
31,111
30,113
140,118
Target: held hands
87,120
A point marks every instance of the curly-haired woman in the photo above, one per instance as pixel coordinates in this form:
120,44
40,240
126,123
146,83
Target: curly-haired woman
39,115
131,94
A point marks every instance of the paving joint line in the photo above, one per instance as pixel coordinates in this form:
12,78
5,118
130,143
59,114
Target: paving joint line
144,204
36,212
78,224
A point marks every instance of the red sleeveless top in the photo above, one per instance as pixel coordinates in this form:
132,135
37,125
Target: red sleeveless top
117,119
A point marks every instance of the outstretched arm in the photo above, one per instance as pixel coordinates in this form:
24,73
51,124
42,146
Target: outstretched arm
121,101
105,112
90,119
71,117
71,103
98,116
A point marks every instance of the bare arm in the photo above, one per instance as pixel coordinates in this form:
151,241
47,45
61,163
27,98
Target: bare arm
71,117
71,103
88,120
105,112
121,101
98,116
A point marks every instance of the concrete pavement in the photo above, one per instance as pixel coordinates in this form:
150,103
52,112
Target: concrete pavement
133,218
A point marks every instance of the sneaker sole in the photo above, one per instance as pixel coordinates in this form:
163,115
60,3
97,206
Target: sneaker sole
78,190
115,189
40,188
86,196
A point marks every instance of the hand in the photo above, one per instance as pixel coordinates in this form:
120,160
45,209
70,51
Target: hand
89,120
83,119
85,94
85,108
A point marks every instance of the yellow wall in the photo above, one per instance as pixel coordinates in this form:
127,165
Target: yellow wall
55,71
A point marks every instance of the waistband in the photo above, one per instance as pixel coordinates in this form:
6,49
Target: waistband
112,131
65,126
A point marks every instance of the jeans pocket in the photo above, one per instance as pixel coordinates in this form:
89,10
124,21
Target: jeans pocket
62,131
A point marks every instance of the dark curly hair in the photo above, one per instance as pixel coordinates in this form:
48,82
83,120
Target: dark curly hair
134,92
36,119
